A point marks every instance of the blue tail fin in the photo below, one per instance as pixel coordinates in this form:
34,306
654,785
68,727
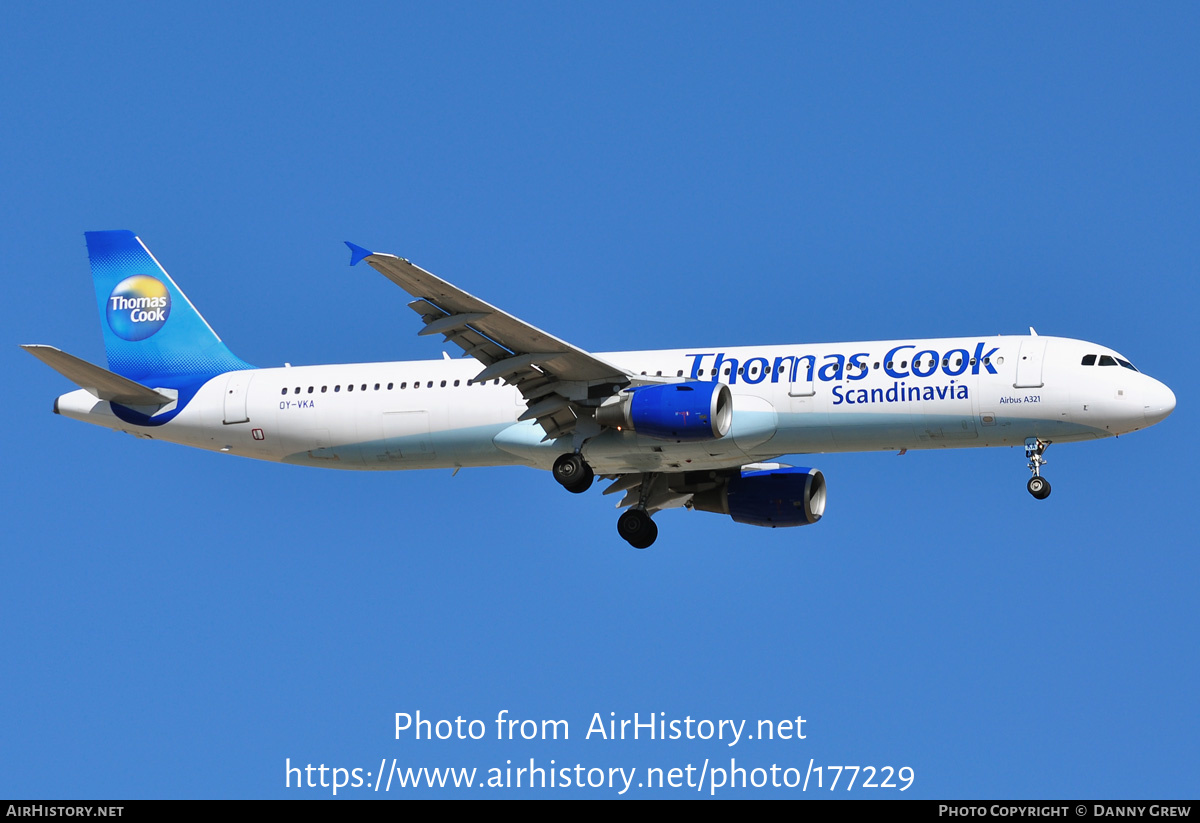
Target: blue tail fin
152,332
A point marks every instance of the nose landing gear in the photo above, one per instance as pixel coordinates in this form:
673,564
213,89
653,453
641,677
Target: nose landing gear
1038,486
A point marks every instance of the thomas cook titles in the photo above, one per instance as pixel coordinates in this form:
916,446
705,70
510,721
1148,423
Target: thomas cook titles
837,367
899,392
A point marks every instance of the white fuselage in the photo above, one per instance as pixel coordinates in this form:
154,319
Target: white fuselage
912,394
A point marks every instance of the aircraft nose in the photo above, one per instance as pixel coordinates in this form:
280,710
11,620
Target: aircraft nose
1159,402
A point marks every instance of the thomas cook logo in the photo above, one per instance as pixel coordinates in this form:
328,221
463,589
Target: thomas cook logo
138,307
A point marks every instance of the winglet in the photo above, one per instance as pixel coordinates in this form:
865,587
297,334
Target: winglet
357,252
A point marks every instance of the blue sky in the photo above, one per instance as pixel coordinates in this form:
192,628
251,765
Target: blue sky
178,623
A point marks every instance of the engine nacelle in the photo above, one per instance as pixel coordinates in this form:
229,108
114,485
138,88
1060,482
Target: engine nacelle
772,498
675,411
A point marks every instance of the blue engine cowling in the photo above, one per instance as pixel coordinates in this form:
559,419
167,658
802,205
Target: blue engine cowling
675,411
774,498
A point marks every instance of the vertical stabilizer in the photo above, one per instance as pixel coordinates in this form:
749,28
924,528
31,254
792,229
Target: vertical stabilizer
152,332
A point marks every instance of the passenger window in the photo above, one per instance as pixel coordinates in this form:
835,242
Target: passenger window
679,373
297,390
310,388
338,388
364,387
377,387
429,385
350,387
456,383
284,391
390,386
1089,360
323,388
443,384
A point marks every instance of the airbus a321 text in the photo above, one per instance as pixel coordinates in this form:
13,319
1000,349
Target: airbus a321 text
695,427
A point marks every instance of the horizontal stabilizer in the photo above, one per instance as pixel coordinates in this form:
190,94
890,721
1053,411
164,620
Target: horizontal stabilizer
101,382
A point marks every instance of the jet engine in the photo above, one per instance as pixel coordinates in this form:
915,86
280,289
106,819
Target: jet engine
675,411
786,496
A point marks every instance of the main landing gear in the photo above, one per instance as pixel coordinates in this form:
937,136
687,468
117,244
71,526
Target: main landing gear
635,526
1038,486
573,473
637,529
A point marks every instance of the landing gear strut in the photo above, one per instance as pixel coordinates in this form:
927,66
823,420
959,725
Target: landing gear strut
573,473
637,529
1038,486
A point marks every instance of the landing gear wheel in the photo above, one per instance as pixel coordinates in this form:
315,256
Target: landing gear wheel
637,529
573,473
1039,487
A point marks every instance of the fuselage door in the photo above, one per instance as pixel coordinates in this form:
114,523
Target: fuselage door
802,386
1029,363
236,391
406,435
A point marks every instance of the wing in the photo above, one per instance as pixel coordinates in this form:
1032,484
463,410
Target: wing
651,491
556,379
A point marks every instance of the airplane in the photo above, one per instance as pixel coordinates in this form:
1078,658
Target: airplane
701,428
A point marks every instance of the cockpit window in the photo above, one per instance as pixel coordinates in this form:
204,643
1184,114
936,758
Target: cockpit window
1107,360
